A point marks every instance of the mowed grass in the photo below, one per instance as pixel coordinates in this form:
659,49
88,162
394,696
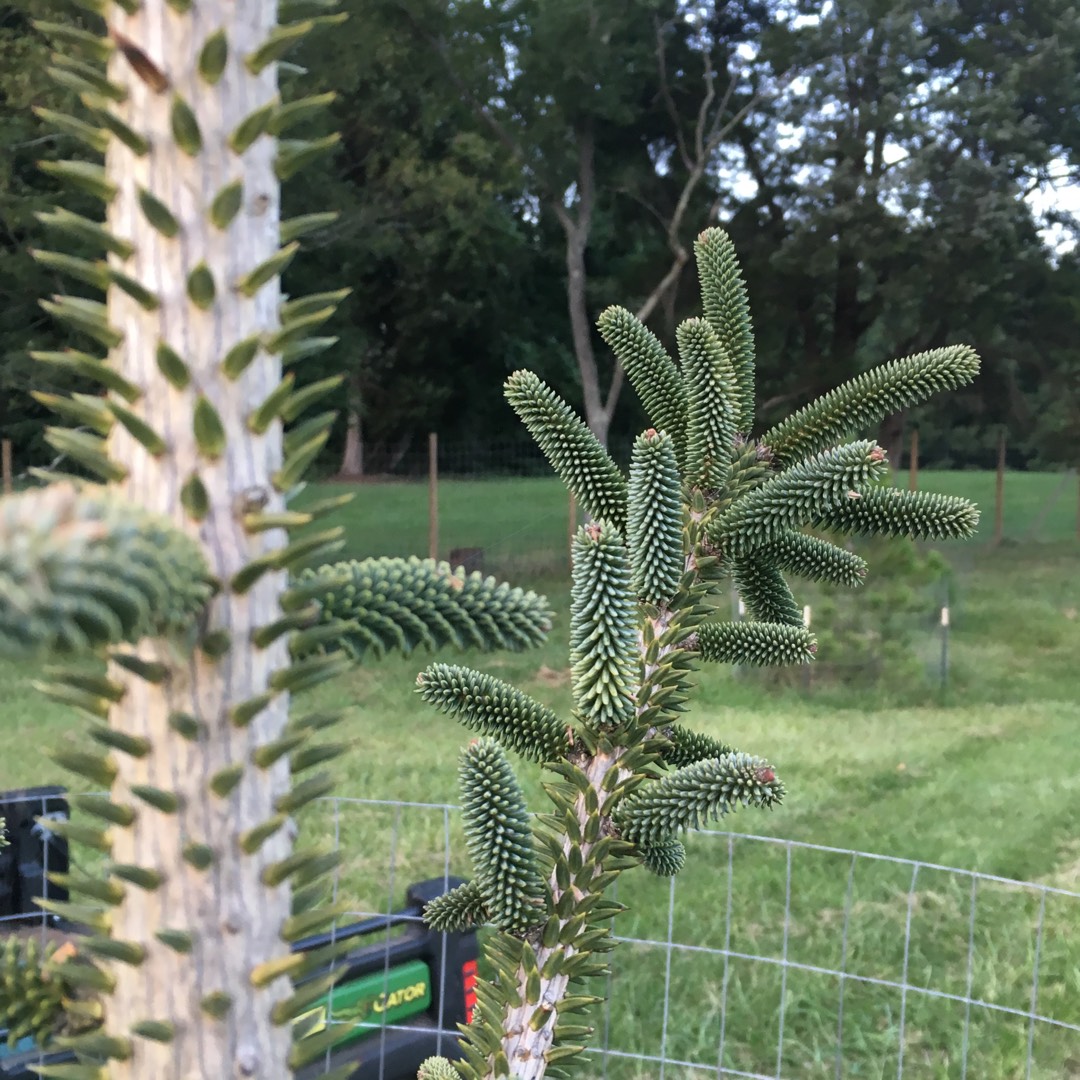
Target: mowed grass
985,776
522,524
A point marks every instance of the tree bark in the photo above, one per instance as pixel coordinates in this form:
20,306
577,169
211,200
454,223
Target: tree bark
576,228
223,1025
352,458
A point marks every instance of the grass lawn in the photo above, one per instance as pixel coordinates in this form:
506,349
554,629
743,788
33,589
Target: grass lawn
984,776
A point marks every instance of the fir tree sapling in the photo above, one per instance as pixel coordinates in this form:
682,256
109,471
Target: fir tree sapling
704,503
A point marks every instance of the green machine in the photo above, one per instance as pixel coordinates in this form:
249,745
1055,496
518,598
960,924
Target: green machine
401,994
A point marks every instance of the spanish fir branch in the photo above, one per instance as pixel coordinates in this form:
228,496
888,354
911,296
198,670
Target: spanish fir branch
765,592
651,371
921,515
406,604
462,908
629,779
712,407
688,746
499,838
862,402
727,310
755,644
574,452
817,560
437,1068
491,707
798,496
696,794
603,628
654,531
665,858
80,569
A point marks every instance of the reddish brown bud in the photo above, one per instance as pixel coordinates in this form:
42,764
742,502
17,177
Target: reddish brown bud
765,775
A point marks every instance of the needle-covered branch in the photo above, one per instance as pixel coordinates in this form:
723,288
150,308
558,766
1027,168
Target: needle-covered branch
603,625
655,528
494,708
400,604
696,794
921,515
575,453
868,398
705,503
499,839
651,372
81,569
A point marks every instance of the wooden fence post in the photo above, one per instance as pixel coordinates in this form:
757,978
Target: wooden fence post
999,491
5,465
433,496
571,529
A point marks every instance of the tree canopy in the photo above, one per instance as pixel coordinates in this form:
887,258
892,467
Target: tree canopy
505,171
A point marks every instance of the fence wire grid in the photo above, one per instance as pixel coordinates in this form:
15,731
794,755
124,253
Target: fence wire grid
772,958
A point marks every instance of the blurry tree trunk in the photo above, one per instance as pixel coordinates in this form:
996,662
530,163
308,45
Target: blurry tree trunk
198,912
352,458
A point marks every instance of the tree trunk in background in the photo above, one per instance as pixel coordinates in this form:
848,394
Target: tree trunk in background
890,437
577,228
597,411
352,458
192,843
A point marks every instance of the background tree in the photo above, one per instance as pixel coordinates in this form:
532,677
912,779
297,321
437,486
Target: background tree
888,209
573,93
428,237
945,220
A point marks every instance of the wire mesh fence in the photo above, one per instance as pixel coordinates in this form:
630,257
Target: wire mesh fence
773,958
770,958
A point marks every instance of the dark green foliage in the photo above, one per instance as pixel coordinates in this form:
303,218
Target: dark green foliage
498,837
603,617
689,746
712,411
491,707
462,908
655,527
406,604
799,495
922,515
689,798
665,858
765,592
756,643
727,310
869,398
651,371
816,559
573,450
82,570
